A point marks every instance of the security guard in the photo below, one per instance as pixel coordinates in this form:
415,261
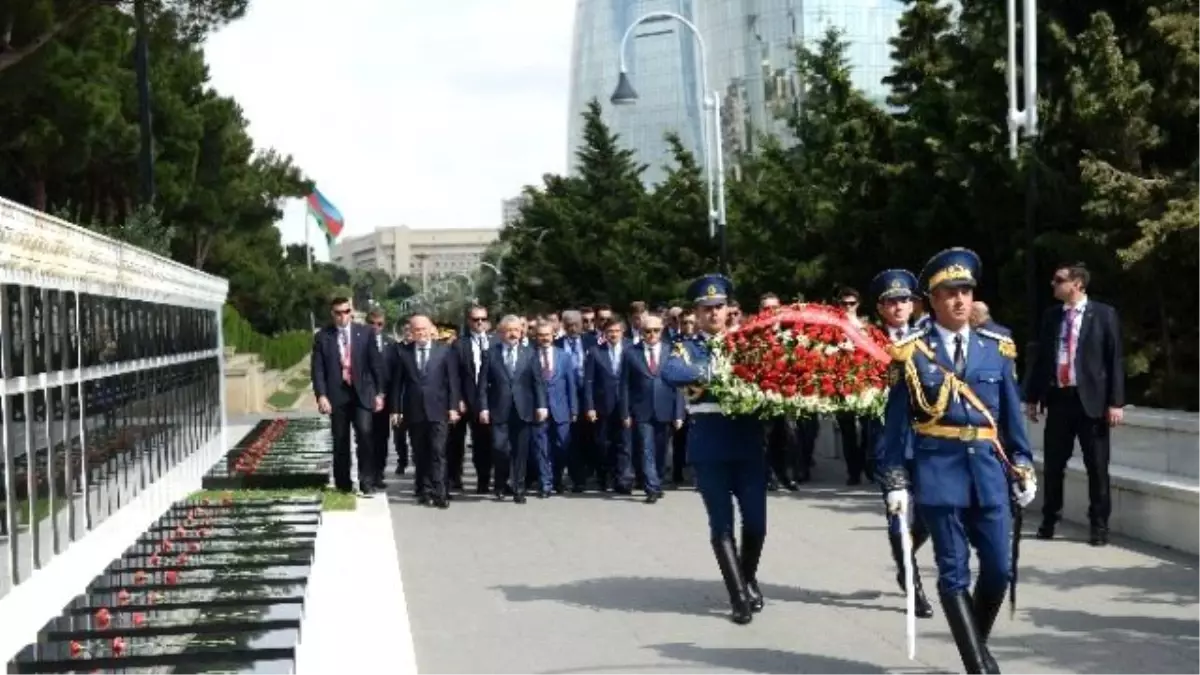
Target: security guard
956,389
893,291
725,452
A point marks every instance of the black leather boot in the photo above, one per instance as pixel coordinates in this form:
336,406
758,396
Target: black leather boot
735,583
960,614
923,609
752,545
987,606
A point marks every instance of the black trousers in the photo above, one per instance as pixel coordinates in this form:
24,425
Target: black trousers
854,445
429,456
1066,421
400,439
581,457
342,418
481,451
456,452
381,432
782,449
510,453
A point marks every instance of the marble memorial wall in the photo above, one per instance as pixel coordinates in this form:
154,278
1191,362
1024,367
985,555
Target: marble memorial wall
110,375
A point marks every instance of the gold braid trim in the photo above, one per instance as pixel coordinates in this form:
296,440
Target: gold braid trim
936,410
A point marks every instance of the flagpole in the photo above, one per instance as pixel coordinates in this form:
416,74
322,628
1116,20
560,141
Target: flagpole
312,317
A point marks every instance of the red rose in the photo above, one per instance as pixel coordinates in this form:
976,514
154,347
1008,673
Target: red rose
118,646
103,618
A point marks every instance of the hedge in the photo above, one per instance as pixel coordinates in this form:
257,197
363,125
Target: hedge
279,352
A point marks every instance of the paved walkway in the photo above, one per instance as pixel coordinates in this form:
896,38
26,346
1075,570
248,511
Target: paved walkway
595,584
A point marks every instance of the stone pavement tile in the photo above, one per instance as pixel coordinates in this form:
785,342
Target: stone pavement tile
607,584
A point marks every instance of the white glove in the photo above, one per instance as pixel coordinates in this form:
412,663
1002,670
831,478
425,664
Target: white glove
897,502
1025,491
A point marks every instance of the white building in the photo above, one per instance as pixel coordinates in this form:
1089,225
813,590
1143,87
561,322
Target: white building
404,251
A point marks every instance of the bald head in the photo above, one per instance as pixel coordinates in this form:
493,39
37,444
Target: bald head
980,314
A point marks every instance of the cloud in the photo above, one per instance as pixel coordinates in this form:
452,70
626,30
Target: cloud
405,112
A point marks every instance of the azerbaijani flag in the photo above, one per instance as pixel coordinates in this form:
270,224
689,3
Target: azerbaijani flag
327,215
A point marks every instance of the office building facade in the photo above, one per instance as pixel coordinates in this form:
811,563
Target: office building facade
753,55
404,251
750,47
510,209
663,65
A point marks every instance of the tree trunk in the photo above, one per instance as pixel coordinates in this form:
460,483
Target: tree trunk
1164,322
39,193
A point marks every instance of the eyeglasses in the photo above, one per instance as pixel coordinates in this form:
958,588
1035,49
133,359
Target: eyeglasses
342,312
479,319
651,330
377,324
689,322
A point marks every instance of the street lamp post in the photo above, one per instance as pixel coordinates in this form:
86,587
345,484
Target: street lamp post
713,146
499,280
1025,119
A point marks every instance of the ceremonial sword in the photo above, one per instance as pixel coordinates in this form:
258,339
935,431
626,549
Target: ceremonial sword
910,598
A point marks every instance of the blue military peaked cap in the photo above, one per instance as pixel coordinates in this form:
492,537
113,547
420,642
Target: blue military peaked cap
890,284
710,289
952,268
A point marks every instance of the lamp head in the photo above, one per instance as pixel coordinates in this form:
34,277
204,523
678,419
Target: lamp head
624,94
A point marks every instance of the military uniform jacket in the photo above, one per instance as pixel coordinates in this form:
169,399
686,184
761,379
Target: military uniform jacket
962,470
713,436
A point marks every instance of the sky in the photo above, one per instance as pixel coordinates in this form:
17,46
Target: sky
405,112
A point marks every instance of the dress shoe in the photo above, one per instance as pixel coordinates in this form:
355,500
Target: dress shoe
366,490
543,494
519,499
854,480
381,484
400,470
577,489
441,502
652,498
1098,536
1045,531
791,485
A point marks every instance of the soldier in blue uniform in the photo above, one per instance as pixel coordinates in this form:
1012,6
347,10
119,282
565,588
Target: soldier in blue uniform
955,392
894,291
725,452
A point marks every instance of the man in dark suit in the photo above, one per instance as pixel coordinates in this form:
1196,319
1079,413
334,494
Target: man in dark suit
1078,378
472,350
981,317
552,440
577,343
400,430
347,369
601,405
512,399
649,403
381,427
425,394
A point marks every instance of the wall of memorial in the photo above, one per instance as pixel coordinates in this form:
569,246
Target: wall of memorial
111,375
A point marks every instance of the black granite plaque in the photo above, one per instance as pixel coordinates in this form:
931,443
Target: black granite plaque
156,650
201,619
203,577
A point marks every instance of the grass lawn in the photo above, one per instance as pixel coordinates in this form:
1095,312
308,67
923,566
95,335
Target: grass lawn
331,500
283,399
300,382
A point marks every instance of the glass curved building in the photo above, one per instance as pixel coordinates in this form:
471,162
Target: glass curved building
752,54
663,65
750,47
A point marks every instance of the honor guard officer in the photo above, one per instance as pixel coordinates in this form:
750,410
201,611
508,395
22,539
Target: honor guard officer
893,291
955,389
725,452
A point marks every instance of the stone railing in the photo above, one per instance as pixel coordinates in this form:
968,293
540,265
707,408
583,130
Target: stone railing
1155,469
248,384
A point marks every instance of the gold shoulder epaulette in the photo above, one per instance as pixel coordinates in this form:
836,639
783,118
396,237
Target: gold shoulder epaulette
902,349
682,352
1008,348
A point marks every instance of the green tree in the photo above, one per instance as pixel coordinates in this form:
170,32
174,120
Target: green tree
27,26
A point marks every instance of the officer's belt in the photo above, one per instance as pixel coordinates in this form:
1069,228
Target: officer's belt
704,408
954,433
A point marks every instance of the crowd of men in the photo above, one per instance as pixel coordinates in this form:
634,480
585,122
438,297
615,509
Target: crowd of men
587,401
